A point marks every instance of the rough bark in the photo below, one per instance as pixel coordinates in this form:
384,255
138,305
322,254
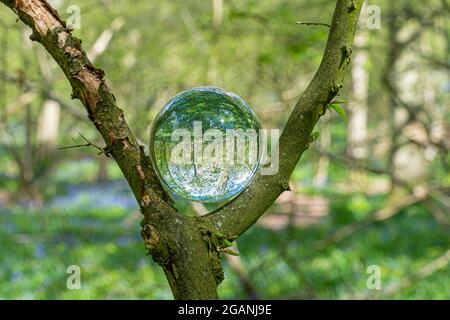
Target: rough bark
189,249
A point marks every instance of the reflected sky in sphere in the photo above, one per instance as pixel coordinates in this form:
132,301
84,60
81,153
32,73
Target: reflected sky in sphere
204,144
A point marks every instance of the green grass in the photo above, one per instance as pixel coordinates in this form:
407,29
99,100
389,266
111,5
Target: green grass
37,247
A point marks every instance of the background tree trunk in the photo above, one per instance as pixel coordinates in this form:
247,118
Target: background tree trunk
358,100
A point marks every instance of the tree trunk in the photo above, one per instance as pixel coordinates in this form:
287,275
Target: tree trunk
358,109
189,260
324,143
48,126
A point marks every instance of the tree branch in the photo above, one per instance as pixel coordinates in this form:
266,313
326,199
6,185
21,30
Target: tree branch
238,215
175,241
89,86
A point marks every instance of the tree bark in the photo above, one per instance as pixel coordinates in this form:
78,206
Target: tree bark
188,248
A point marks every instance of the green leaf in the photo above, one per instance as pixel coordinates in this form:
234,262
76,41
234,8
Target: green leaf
339,110
314,136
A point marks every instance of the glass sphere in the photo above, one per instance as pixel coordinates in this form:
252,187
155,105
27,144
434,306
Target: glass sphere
205,144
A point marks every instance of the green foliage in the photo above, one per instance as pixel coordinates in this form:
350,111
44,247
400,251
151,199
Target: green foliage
399,247
105,243
338,109
314,136
259,52
111,256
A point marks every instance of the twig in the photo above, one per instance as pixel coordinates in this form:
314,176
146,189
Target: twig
338,102
88,144
313,24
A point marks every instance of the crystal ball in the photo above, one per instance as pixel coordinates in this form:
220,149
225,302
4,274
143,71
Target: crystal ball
204,144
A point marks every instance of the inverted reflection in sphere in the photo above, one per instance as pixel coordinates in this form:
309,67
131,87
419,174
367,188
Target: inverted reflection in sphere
204,144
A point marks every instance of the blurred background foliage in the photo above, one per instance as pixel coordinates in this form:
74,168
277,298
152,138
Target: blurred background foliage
373,189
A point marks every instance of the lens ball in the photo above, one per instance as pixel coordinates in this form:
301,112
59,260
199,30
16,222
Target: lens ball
205,144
